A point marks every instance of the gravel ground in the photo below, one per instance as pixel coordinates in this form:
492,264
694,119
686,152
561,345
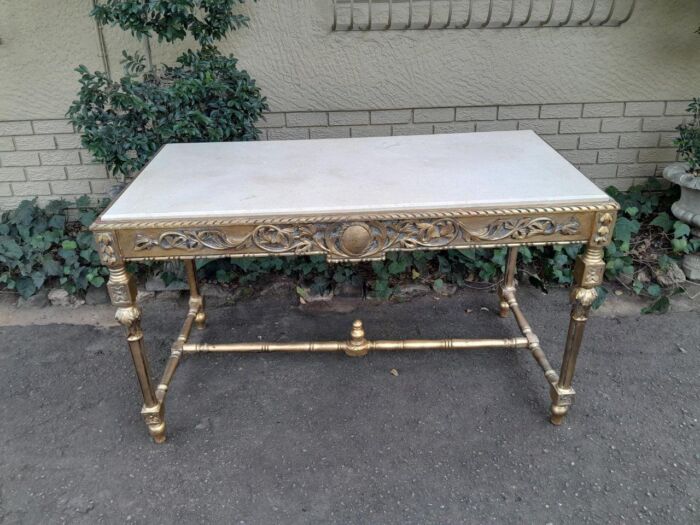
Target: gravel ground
455,437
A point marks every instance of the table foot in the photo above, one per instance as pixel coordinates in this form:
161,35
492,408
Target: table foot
558,414
562,399
154,417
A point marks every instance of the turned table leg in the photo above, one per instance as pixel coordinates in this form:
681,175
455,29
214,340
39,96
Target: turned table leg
122,290
196,299
508,283
588,274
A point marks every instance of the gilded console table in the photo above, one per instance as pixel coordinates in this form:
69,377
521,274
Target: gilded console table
354,200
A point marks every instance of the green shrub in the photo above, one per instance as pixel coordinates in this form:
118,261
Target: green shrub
688,141
206,20
40,246
204,97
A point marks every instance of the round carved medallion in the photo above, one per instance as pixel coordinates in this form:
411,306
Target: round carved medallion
355,239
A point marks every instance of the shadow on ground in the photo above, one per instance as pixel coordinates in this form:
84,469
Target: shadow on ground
456,437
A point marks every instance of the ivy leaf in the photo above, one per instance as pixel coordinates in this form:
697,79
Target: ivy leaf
663,221
25,287
632,211
96,280
58,222
654,290
625,228
637,286
680,229
526,254
397,267
24,214
38,279
600,298
69,245
572,250
51,267
660,306
9,249
87,217
679,245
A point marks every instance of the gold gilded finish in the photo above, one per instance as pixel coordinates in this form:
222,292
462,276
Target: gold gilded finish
154,417
354,351
358,345
351,238
605,224
106,249
356,240
508,284
588,274
122,290
196,299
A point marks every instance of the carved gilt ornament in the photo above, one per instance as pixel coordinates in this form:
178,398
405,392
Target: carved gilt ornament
105,247
356,240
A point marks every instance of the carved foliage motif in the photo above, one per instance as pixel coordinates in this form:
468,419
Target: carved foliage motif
603,229
354,240
522,228
119,293
105,247
593,276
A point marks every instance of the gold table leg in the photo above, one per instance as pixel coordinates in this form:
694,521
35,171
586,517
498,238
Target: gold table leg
196,299
122,290
588,274
508,284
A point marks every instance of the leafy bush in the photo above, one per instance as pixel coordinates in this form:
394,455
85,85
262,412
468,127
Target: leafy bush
688,142
207,20
41,246
646,240
202,98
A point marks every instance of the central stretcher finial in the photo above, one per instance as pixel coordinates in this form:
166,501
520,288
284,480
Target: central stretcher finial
357,345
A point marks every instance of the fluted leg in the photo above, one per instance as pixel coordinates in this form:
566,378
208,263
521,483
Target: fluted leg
196,299
122,290
588,274
508,281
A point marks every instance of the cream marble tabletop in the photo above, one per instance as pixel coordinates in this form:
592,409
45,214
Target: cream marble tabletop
268,178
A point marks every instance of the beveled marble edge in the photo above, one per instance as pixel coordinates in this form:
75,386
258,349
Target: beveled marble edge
485,211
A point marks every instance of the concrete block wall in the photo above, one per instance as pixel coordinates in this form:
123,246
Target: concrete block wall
44,159
613,143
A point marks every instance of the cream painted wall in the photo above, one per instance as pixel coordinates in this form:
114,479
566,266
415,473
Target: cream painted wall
302,65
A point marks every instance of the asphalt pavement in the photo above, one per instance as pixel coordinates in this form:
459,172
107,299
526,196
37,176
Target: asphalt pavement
449,437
